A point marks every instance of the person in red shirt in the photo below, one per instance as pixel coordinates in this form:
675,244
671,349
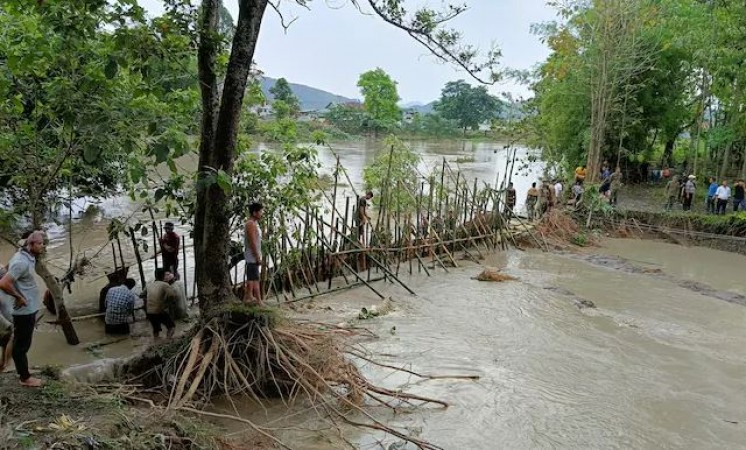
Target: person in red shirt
170,249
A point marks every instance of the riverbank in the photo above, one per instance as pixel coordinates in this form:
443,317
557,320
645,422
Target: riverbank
69,415
641,211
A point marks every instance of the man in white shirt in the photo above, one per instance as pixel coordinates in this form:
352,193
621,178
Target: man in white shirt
722,195
558,191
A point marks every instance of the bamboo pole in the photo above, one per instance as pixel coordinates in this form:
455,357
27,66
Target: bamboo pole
331,291
354,272
138,258
383,268
114,257
155,245
121,254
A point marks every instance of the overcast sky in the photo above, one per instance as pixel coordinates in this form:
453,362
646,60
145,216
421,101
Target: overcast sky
329,46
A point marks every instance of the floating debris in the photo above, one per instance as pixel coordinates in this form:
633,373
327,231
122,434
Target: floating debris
493,275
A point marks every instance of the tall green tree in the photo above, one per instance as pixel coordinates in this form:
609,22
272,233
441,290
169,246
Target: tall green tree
221,110
467,105
285,102
381,98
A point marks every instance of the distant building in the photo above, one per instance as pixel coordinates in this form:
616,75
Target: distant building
408,115
263,111
313,116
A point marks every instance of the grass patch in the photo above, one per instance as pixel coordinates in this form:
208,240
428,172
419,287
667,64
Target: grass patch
580,239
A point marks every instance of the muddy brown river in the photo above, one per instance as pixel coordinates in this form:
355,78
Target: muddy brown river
653,365
659,362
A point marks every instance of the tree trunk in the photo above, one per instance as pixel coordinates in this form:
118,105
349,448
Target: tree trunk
668,152
50,281
219,133
726,161
63,318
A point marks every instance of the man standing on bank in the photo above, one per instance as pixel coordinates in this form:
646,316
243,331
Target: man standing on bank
722,195
253,254
20,284
170,249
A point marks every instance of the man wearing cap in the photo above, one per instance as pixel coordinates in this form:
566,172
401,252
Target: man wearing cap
689,189
20,284
170,249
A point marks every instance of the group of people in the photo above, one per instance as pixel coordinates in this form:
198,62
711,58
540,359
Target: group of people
718,199
719,195
163,303
21,300
541,199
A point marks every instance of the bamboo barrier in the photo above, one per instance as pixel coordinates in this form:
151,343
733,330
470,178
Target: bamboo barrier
417,229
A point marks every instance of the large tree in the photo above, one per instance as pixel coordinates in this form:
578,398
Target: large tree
380,100
469,106
221,110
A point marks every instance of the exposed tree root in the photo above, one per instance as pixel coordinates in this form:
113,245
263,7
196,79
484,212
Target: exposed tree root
248,351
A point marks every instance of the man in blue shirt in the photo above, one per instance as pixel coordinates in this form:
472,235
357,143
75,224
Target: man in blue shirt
20,284
711,191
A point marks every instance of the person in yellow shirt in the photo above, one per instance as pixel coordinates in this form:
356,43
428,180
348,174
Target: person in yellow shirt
580,174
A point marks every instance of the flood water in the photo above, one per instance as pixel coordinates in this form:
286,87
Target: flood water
654,365
486,160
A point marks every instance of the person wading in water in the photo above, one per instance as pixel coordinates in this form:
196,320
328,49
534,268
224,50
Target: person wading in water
253,254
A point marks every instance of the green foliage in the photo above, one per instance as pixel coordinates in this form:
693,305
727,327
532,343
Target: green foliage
394,174
580,239
350,118
670,67
89,96
381,98
431,125
285,103
468,106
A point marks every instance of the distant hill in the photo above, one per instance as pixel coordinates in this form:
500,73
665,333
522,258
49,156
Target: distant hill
311,99
419,107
